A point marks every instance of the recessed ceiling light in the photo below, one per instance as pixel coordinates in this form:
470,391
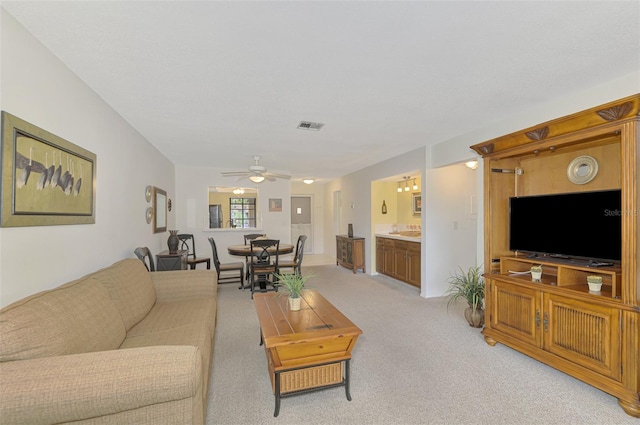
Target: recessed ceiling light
308,125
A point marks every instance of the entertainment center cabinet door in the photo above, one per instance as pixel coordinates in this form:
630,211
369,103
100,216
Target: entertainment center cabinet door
515,311
584,333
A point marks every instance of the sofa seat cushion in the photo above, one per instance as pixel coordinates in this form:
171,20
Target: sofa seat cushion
193,334
78,317
177,314
130,288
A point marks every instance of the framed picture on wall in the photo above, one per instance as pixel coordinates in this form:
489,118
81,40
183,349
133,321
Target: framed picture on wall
416,203
275,204
46,180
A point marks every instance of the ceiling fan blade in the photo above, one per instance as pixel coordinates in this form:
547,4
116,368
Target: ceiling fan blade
235,173
278,176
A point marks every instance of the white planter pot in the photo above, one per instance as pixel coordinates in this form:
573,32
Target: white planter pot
294,304
595,287
536,275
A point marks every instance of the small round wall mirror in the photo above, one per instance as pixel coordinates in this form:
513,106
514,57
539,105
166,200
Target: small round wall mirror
148,192
149,215
582,170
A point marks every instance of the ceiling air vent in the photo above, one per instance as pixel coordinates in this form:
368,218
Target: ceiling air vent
308,125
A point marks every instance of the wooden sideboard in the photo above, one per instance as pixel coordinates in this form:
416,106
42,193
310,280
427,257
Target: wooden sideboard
350,252
594,337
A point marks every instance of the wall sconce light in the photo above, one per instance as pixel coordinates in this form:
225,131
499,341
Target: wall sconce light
308,181
472,164
256,179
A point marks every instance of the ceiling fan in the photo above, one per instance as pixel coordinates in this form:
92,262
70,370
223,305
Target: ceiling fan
256,173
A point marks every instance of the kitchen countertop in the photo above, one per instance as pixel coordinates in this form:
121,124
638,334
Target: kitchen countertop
399,237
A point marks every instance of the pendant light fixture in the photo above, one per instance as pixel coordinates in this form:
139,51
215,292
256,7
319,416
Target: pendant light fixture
406,179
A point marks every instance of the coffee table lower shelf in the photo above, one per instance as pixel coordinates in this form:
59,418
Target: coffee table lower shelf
303,379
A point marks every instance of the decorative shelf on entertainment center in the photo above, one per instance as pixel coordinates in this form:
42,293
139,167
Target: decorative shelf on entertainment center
565,275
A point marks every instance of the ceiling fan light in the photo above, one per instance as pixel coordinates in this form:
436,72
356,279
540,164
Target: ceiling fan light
308,181
256,179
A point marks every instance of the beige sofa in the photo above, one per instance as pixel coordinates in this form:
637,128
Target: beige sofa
120,345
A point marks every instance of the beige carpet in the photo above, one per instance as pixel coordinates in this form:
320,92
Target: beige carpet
416,363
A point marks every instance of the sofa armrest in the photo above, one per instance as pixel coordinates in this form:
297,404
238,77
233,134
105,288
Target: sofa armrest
81,386
177,285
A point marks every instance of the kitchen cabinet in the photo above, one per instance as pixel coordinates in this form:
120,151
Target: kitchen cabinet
398,259
592,336
350,252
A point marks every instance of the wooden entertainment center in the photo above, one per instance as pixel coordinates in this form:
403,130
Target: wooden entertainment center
592,336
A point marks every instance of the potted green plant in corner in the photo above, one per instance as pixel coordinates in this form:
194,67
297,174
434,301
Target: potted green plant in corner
293,284
469,286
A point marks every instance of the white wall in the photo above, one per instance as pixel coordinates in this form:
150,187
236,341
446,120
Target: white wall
38,88
192,209
357,199
316,191
451,224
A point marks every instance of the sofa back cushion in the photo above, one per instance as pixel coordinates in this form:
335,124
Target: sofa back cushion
131,289
78,317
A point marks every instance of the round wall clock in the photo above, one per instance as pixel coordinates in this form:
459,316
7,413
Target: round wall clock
582,170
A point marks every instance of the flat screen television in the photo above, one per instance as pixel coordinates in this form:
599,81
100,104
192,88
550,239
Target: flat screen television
581,225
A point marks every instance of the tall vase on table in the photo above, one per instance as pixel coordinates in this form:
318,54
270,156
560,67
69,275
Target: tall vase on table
173,241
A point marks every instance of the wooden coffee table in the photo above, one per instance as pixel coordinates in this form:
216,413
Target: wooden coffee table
307,350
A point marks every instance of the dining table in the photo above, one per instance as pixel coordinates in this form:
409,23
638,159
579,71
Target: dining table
245,251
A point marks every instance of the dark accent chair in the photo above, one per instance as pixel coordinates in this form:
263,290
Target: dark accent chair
264,264
294,265
188,243
253,236
247,239
227,272
145,256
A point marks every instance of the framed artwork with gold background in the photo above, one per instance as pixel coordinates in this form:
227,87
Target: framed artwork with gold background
46,180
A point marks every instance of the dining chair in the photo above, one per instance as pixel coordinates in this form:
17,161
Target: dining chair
295,263
144,255
188,243
227,272
253,236
248,238
264,263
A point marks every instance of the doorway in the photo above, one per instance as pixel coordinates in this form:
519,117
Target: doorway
302,220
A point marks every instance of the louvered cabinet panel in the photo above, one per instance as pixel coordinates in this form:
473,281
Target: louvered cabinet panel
586,334
516,311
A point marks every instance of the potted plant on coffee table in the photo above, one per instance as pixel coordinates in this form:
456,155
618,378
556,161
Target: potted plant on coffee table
293,283
469,286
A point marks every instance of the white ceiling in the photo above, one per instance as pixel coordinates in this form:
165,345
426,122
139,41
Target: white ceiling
213,83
